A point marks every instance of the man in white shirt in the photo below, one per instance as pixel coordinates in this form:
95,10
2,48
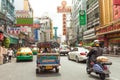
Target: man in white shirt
10,53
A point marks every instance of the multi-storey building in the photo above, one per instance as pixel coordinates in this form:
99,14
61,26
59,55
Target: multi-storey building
93,20
109,29
75,23
7,18
24,20
46,29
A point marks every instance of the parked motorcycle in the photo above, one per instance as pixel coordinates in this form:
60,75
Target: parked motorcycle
100,67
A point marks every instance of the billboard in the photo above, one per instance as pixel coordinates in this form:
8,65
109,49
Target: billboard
24,22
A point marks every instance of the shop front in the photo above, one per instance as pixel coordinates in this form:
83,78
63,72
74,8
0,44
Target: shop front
114,43
111,37
13,42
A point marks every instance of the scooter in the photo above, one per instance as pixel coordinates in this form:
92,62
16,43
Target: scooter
100,68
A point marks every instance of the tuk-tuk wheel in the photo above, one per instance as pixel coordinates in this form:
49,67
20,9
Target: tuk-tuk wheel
37,71
56,70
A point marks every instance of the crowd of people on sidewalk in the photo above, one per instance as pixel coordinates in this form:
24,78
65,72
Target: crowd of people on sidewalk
6,54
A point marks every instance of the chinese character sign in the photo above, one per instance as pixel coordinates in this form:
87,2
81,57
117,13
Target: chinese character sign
82,17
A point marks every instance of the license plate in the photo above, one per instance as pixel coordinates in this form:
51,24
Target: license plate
49,67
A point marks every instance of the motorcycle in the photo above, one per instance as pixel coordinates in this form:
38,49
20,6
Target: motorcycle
100,67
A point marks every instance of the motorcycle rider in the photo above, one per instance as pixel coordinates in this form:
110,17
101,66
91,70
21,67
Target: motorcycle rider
95,51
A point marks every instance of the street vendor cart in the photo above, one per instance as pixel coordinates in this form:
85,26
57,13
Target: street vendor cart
47,60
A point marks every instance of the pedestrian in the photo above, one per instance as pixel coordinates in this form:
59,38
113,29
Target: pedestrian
10,54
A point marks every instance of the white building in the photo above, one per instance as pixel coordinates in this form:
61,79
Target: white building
77,5
45,29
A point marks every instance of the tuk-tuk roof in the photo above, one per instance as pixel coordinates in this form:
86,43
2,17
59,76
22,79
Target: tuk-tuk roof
48,45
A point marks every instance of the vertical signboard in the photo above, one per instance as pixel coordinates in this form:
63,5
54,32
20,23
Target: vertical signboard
64,9
36,35
82,17
64,24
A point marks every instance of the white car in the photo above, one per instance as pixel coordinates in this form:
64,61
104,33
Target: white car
78,54
64,49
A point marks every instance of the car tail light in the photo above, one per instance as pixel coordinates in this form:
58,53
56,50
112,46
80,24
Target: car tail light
18,54
82,53
29,53
105,67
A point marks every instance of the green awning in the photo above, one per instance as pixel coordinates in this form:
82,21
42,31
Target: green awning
13,40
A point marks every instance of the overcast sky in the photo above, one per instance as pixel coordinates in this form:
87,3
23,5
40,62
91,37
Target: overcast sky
49,7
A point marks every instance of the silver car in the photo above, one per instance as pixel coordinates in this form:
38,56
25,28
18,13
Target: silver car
78,54
64,49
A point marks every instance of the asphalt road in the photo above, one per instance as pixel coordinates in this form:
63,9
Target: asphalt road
70,70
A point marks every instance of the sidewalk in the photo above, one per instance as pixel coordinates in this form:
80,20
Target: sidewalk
112,55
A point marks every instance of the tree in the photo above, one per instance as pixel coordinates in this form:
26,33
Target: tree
6,42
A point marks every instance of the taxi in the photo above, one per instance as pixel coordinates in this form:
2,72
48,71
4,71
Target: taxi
24,53
35,50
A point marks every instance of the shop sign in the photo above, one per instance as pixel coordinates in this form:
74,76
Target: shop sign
82,17
1,36
64,24
108,29
113,35
11,30
24,22
117,40
22,13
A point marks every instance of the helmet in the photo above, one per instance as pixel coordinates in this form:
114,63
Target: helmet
96,42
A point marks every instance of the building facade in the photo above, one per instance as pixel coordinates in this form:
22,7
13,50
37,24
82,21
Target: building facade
75,23
93,20
24,21
109,30
46,29
7,19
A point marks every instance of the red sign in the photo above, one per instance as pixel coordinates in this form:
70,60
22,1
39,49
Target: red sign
11,30
116,2
1,36
108,29
116,12
36,25
64,31
61,9
64,8
64,24
115,41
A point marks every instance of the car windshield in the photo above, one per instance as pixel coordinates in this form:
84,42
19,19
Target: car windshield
64,46
25,50
82,49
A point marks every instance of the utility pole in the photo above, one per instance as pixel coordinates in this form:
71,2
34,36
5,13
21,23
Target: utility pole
55,28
